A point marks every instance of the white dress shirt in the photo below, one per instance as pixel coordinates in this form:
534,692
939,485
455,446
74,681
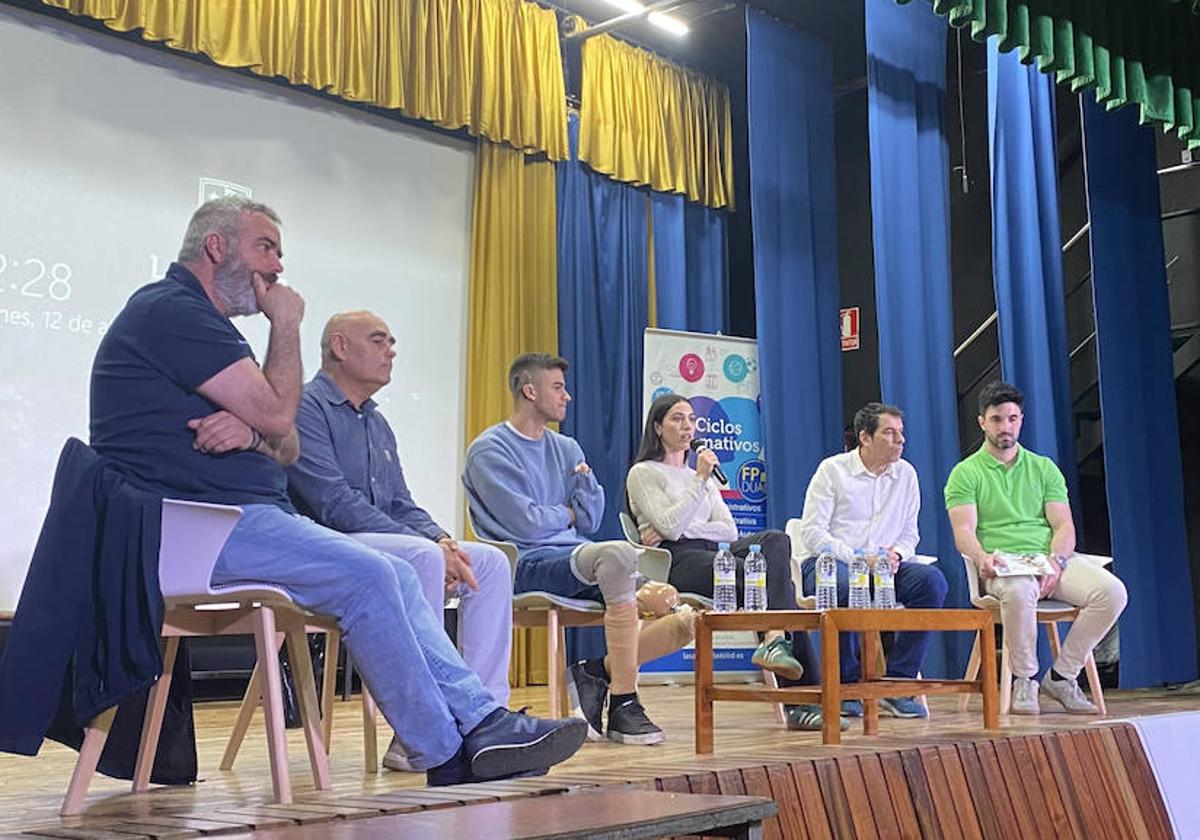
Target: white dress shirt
848,507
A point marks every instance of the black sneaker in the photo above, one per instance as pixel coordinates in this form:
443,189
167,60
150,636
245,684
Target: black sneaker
628,724
505,744
588,693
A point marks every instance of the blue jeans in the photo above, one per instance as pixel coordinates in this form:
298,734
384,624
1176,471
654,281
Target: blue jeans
917,587
423,687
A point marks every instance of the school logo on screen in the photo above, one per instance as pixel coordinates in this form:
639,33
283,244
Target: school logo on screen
752,480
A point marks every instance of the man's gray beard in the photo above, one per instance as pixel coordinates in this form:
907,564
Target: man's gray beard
233,285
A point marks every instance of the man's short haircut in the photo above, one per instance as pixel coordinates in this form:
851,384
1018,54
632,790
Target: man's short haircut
866,419
999,393
523,368
221,215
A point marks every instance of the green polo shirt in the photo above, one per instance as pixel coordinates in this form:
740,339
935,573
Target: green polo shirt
1010,500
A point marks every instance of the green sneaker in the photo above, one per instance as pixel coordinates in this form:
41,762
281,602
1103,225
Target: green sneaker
808,718
776,656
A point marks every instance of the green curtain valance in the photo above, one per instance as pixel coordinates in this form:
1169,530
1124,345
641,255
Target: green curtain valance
1130,52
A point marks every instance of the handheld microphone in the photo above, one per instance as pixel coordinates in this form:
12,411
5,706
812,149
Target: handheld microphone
696,445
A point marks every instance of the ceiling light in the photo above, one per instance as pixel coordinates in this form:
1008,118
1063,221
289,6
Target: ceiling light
667,23
664,22
627,6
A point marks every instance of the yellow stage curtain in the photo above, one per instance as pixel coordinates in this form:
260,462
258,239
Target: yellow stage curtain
513,297
647,121
512,309
490,66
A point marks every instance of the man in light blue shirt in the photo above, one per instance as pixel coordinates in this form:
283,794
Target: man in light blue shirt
349,478
532,486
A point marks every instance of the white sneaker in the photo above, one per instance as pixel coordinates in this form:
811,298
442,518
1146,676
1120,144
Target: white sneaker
1069,694
397,759
1024,697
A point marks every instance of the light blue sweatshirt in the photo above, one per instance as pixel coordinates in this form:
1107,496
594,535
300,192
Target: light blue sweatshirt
519,490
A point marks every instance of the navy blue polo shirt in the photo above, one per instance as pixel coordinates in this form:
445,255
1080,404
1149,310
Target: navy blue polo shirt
167,341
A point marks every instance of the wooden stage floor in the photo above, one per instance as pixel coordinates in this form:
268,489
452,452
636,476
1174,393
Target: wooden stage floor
747,734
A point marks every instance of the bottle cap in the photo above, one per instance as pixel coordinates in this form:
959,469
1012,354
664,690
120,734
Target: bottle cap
755,547
723,546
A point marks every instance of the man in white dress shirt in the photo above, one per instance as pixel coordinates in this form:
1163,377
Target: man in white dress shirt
868,498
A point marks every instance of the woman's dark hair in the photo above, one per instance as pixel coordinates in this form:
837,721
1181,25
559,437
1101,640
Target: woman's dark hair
651,448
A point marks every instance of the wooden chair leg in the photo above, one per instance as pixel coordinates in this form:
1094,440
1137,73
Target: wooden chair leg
564,702
268,660
251,700
770,681
1005,681
94,737
553,657
370,738
306,694
1093,675
971,674
156,706
1052,637
333,640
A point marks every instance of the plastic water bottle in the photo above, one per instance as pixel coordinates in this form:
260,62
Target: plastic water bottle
756,579
860,583
826,579
885,582
724,580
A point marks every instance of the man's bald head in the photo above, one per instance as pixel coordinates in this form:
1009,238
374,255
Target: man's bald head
343,322
356,353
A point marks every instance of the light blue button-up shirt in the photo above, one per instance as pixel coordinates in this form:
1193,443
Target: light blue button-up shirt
348,476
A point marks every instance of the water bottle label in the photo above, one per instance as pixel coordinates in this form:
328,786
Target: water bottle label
756,579
859,579
723,578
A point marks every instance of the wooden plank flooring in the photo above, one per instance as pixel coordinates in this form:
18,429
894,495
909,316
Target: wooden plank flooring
937,778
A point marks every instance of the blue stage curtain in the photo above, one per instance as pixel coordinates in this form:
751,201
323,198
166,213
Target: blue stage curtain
603,306
793,197
910,211
691,265
1137,400
1027,255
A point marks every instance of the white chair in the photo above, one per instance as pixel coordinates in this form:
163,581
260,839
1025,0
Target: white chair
655,563
193,535
809,602
555,613
1049,613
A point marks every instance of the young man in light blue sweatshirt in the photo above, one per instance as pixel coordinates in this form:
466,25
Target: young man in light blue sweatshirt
531,486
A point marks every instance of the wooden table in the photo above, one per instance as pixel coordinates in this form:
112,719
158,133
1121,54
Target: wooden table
831,692
605,814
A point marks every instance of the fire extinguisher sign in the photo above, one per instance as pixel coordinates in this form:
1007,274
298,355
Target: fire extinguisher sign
850,333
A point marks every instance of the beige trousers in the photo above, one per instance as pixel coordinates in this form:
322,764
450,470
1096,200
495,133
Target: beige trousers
1098,593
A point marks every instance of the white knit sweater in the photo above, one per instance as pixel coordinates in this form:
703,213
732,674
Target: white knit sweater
677,504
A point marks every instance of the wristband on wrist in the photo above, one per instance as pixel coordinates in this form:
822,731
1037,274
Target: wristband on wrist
255,439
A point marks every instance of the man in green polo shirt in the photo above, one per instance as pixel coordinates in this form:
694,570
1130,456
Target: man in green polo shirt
1007,499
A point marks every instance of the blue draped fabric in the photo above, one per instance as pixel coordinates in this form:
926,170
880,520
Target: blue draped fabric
1027,262
906,82
603,306
1137,400
794,216
1027,255
691,265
